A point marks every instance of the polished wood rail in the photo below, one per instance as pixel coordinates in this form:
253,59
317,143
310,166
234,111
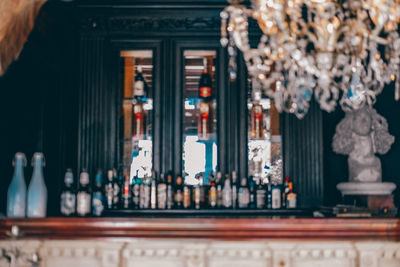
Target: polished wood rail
211,228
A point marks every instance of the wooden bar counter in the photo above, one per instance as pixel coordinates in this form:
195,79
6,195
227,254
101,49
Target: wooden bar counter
211,242
209,228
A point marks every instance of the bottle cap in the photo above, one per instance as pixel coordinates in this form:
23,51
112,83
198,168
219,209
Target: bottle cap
69,177
110,174
36,156
19,155
84,178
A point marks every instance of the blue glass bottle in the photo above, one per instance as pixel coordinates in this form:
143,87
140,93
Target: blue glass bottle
37,191
16,196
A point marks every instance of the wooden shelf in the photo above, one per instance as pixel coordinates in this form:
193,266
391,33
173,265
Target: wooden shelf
210,228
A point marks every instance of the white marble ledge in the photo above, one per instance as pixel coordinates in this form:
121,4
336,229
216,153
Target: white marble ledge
207,253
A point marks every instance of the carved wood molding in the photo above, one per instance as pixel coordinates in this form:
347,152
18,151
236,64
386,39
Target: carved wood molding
215,228
150,24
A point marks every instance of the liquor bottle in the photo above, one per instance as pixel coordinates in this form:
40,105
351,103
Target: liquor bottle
257,120
83,199
139,87
126,193
197,195
276,194
153,191
98,195
204,121
170,192
178,193
145,188
136,182
212,194
227,193
109,188
252,192
219,182
203,191
205,83
68,195
269,197
291,198
187,200
260,194
16,196
243,194
138,119
285,191
162,193
234,190
116,190
37,191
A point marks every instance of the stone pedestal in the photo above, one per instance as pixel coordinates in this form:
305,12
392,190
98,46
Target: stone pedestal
377,197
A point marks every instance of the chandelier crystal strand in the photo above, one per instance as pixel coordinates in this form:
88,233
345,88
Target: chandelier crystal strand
349,48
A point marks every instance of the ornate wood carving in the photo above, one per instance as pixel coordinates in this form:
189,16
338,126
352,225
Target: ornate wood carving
151,24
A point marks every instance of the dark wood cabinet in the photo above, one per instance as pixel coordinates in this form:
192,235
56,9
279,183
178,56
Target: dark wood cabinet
169,28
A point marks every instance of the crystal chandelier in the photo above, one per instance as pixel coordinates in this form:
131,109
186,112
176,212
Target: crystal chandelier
333,49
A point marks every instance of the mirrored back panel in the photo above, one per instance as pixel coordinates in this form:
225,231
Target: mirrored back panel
137,109
264,138
199,116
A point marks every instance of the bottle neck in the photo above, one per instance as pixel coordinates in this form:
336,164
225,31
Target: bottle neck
37,169
19,167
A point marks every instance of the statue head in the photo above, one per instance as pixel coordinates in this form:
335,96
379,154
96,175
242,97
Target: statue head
365,122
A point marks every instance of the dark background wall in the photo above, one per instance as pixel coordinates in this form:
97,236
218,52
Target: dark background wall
38,103
39,110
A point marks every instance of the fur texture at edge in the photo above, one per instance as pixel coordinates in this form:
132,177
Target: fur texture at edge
17,18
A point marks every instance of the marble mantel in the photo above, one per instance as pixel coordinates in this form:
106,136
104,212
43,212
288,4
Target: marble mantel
208,242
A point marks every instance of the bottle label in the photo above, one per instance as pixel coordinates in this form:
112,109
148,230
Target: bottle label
170,198
138,88
244,198
234,196
261,198
205,91
98,204
136,195
197,197
110,195
162,196
291,201
276,198
137,109
178,197
186,197
116,190
68,200
144,196
83,203
227,197
213,196
204,109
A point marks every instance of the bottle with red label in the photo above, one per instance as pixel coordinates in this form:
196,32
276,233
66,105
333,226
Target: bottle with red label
205,83
257,118
139,86
138,119
205,121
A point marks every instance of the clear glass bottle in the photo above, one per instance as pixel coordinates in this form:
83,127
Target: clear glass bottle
16,196
68,196
83,198
98,195
37,191
227,193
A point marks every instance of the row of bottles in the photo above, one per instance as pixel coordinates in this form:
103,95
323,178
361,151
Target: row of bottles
121,192
31,202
